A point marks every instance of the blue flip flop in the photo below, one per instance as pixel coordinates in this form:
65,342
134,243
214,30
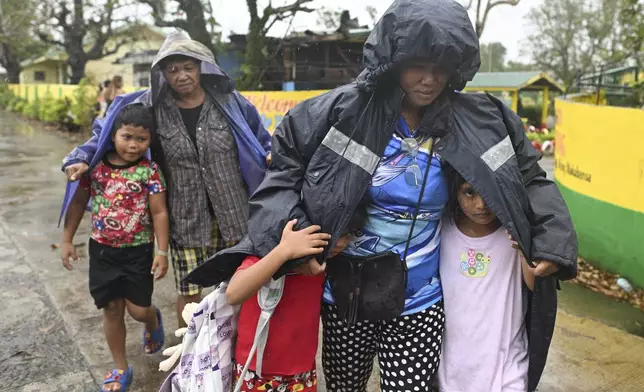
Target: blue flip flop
122,377
154,339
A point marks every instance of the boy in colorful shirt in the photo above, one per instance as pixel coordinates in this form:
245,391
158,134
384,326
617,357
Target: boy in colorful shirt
128,211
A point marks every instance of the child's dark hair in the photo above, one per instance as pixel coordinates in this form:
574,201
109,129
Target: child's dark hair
360,216
135,115
454,183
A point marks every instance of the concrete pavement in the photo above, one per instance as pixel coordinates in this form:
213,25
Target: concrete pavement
53,333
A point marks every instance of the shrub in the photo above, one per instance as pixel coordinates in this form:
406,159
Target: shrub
533,114
547,136
17,104
83,107
53,110
6,96
32,109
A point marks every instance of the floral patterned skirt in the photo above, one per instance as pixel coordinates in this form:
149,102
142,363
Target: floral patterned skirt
303,382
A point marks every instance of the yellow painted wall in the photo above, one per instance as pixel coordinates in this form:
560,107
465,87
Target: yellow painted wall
630,77
600,172
103,69
599,152
272,105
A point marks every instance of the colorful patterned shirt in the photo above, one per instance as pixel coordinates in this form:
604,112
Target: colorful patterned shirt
119,200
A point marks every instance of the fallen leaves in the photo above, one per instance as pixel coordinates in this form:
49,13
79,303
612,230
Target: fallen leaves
606,283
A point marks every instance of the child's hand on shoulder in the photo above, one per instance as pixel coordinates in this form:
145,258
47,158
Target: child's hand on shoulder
541,267
159,266
305,242
311,268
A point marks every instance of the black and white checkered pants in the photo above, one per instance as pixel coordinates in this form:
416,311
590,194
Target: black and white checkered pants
408,349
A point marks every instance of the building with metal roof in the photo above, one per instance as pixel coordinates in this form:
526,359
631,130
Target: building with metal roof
509,86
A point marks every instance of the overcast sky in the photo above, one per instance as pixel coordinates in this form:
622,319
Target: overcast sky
505,24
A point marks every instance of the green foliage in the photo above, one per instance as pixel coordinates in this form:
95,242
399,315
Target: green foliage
32,109
6,96
541,137
638,94
17,40
83,107
573,37
493,57
517,66
533,114
17,104
53,110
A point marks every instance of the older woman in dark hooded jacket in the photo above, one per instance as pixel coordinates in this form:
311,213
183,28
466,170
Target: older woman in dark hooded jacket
387,135
211,145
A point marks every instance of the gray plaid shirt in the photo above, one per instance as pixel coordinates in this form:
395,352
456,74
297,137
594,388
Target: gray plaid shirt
209,173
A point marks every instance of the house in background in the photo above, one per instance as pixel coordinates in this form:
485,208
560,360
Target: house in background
49,68
519,90
150,40
141,62
312,60
52,69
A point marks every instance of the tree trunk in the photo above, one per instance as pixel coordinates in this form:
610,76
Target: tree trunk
197,24
11,63
13,74
77,67
254,58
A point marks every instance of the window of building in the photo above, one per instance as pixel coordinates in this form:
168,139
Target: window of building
39,76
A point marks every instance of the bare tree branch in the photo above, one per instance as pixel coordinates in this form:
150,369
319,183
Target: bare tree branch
481,17
493,4
297,5
116,48
179,23
199,22
282,13
46,39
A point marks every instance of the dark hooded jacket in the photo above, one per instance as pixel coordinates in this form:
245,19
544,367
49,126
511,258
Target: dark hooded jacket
326,150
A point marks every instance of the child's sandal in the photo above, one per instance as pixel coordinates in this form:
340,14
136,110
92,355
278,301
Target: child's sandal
122,377
153,341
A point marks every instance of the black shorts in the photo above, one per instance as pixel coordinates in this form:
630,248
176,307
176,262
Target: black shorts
116,273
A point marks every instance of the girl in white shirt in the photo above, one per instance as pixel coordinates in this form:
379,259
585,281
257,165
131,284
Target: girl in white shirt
484,278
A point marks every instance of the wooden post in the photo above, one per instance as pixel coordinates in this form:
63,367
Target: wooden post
546,105
515,101
326,55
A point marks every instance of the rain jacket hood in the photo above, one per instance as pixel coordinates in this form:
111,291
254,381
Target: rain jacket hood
178,43
439,31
